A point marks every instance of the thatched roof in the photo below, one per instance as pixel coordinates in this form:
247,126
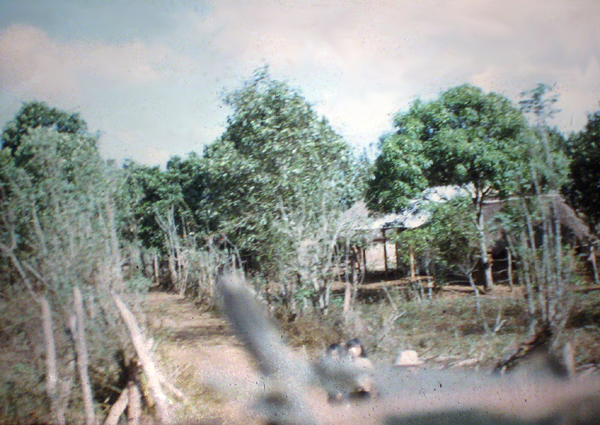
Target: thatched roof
574,230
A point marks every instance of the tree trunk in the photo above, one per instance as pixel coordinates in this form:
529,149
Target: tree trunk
155,269
486,329
347,300
78,331
594,263
385,257
485,256
52,384
413,273
348,287
510,269
118,283
183,270
172,268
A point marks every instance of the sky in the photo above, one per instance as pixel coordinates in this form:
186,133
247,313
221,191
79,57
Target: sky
150,75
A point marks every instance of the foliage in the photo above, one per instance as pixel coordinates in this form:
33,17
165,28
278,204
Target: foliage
58,231
150,192
398,173
466,138
583,188
448,242
190,175
545,146
38,114
532,224
277,158
50,205
275,149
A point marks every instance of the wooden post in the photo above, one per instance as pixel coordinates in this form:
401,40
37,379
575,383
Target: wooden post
348,288
385,259
510,270
155,269
594,263
413,273
364,258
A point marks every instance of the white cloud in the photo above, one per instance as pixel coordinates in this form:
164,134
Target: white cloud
413,48
34,65
357,62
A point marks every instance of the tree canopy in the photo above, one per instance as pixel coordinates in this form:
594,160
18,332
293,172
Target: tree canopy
465,138
38,114
276,154
583,189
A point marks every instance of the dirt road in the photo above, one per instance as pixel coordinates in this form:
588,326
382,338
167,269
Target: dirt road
207,363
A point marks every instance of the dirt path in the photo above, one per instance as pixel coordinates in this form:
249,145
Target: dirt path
197,349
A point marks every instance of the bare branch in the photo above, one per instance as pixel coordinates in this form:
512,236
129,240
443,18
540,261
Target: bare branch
52,387
118,408
78,332
140,345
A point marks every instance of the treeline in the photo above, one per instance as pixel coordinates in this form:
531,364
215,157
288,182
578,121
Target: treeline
279,194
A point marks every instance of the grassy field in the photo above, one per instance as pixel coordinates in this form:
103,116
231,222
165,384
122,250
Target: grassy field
447,327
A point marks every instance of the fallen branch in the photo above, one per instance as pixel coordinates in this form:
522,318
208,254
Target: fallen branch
140,344
173,389
118,408
134,408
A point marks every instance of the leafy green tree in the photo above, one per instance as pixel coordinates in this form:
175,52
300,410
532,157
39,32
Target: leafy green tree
38,114
583,188
545,145
270,180
150,191
275,153
398,173
160,217
448,243
58,233
466,138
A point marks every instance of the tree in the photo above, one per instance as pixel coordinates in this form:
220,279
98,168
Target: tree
398,174
160,218
58,233
466,138
275,151
546,146
276,160
583,188
447,241
532,222
150,191
38,114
